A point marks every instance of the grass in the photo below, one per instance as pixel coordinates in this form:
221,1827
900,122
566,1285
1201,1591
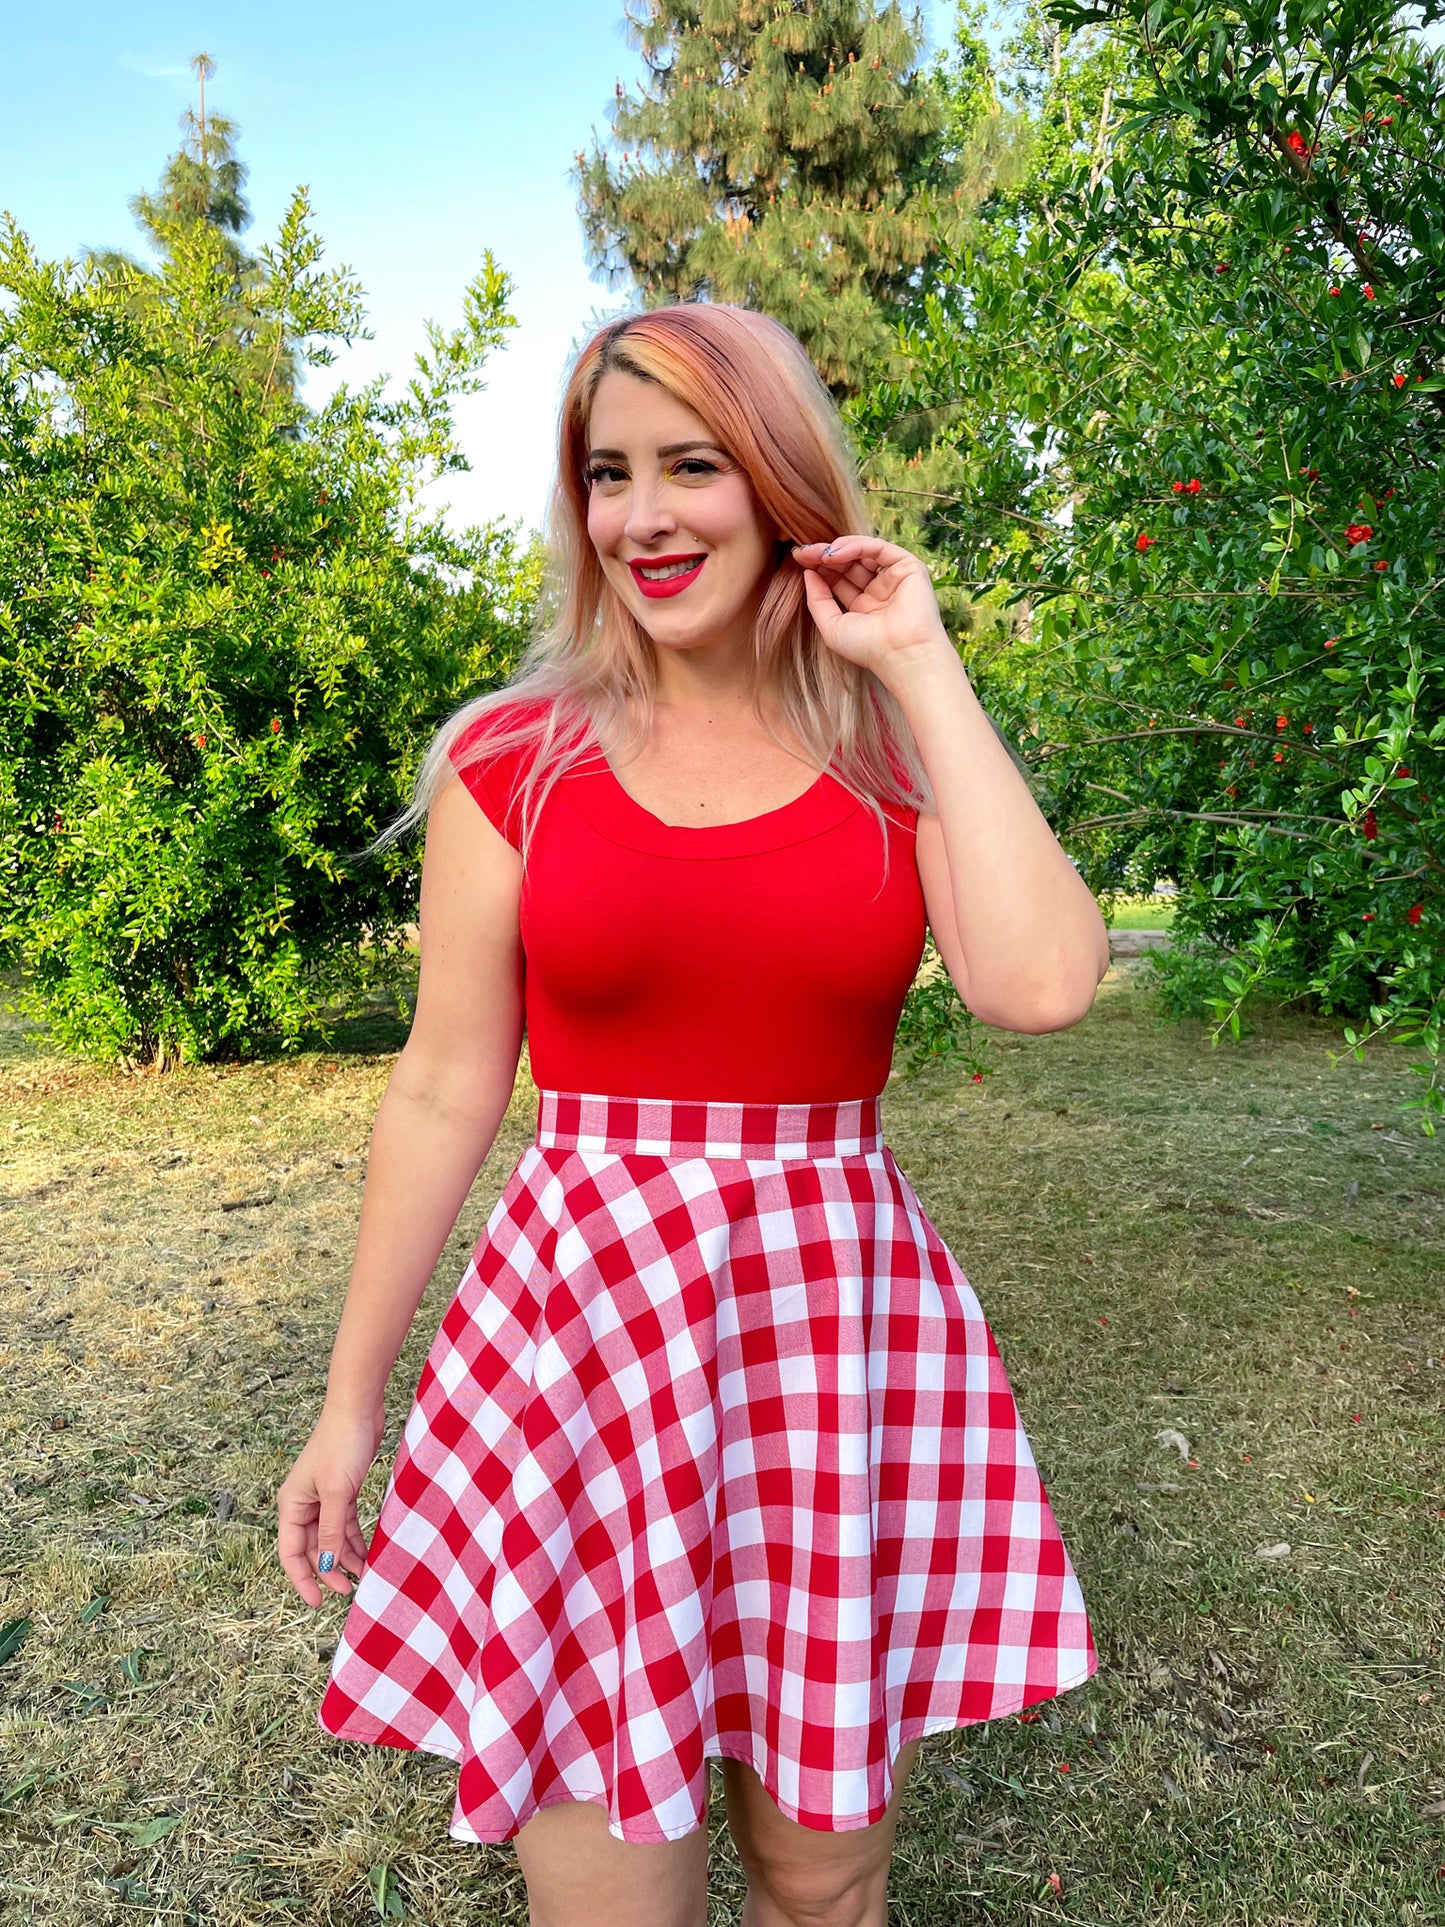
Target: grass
1141,913
1242,1244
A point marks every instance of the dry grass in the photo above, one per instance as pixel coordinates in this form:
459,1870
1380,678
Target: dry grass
1241,1244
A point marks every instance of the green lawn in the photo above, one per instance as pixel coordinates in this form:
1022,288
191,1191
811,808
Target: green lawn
1141,913
1241,1244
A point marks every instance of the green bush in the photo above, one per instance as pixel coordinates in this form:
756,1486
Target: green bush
226,631
1197,362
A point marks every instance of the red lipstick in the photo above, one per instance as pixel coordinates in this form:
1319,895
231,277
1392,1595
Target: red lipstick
671,585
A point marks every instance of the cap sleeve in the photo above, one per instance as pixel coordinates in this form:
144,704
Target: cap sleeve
495,781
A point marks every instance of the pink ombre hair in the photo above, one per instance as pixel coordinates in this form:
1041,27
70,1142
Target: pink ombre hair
587,678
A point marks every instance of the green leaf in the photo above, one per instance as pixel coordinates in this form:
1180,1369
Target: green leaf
12,1635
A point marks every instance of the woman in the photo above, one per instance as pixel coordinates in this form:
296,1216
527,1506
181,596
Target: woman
713,1454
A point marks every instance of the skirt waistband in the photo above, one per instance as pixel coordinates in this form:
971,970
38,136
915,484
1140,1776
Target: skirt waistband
687,1128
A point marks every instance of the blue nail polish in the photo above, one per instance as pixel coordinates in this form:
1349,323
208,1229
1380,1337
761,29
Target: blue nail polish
326,1562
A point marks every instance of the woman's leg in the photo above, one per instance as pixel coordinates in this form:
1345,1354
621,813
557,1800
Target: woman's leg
799,1877
579,1875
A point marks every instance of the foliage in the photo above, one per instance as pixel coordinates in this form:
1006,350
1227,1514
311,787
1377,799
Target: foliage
1211,488
934,1022
204,182
911,467
784,157
226,630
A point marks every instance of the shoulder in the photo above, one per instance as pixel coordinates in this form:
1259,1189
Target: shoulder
905,815
492,753
484,737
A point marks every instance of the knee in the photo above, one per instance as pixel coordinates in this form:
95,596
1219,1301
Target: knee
847,1895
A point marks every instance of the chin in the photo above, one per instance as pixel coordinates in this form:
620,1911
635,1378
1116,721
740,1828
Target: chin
679,626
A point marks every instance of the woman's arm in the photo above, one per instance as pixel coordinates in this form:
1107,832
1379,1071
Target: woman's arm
1015,923
446,1096
1032,943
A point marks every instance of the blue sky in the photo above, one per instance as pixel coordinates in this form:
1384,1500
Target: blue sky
425,134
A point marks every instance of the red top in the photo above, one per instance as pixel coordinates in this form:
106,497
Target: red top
756,962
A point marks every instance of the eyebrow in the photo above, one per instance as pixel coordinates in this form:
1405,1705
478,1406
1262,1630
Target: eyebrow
670,448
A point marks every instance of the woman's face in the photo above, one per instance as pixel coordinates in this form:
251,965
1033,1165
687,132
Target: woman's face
679,531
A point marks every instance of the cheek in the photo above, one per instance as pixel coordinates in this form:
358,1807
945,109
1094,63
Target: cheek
733,518
603,523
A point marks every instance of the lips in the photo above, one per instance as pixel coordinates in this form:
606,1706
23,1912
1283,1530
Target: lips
670,585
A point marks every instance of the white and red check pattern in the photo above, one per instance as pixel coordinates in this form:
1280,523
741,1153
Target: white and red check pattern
713,1455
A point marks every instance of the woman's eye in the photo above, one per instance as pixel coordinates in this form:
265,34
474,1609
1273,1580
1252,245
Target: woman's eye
604,472
697,466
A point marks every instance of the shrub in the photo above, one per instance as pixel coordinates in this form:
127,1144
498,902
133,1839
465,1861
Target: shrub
226,631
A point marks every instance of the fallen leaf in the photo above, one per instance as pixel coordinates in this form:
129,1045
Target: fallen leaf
1169,1437
1280,1551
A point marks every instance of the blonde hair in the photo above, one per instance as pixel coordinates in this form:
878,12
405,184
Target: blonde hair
587,678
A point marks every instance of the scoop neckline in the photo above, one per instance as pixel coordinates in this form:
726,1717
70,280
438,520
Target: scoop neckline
690,829
613,809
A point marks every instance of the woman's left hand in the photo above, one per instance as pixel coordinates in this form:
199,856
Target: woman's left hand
872,602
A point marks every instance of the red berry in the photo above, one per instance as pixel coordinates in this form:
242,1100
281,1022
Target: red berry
1368,917
1145,542
1414,913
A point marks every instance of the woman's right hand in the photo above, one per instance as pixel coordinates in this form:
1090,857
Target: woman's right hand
316,1503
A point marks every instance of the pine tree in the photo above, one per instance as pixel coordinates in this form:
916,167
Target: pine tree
203,181
202,196
781,154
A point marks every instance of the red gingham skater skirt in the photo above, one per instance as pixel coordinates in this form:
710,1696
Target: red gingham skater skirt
713,1455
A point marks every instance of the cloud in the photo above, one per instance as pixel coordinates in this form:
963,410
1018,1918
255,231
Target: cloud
151,70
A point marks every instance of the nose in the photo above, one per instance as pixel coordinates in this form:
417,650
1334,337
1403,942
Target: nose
648,516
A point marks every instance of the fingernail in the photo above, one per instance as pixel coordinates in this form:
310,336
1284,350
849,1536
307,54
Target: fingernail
326,1562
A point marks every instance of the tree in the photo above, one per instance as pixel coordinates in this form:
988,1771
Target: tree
204,183
783,155
918,462
226,633
1216,325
